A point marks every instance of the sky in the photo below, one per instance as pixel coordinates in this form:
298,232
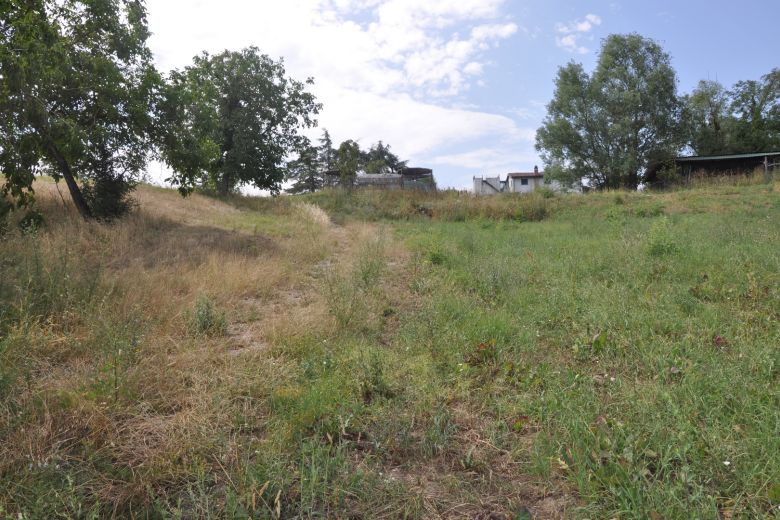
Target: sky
459,86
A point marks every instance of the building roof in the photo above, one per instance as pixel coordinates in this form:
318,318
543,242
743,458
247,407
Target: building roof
696,158
515,175
411,171
379,176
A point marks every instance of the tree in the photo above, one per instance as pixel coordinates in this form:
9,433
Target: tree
76,89
708,119
756,107
326,154
306,171
232,119
610,127
348,162
379,159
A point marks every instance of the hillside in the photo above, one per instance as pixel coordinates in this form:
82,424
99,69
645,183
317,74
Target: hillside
395,355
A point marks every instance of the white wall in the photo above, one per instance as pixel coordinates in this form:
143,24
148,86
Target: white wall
516,184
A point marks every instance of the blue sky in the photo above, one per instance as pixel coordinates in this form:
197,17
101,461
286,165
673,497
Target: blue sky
460,86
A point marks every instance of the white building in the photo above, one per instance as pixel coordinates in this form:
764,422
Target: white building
517,182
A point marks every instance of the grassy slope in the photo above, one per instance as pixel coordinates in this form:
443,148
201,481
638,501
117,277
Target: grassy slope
209,359
643,347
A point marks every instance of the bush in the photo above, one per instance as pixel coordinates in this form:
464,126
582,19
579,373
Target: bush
31,222
108,197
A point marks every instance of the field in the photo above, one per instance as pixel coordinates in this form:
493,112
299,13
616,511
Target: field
395,355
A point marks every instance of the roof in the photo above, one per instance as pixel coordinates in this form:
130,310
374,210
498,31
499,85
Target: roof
696,158
416,171
379,176
524,174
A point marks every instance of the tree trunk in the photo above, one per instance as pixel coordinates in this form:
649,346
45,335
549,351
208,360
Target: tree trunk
70,180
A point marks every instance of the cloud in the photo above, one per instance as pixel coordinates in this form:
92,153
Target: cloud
487,160
395,70
570,34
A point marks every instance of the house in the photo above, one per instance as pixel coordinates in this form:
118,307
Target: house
405,179
733,164
516,182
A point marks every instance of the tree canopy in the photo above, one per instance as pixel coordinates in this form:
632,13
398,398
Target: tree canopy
232,119
744,119
607,128
348,162
76,95
379,159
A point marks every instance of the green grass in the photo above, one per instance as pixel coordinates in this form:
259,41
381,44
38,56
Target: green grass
645,348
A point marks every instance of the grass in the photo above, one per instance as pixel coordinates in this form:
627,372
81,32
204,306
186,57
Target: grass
429,355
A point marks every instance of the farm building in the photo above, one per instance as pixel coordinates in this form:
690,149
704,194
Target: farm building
734,164
406,179
516,182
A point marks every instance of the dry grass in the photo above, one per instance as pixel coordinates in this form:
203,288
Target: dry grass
106,369
203,358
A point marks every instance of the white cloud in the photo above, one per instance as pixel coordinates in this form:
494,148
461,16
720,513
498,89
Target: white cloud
383,69
570,34
487,160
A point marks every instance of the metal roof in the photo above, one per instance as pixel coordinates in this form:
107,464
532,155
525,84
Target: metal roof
379,176
525,174
726,157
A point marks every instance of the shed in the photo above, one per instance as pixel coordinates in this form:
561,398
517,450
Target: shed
734,164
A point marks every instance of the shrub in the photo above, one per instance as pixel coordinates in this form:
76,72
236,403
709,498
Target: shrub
109,197
31,222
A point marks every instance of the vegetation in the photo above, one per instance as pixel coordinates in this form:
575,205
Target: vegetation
741,120
348,162
613,357
76,95
231,120
609,128
381,354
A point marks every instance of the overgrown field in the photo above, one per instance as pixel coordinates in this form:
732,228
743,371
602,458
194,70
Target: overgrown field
612,355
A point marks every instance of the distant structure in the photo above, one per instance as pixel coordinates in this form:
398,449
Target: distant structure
734,164
516,182
406,179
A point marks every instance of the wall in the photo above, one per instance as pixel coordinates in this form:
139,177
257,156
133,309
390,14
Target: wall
516,185
482,186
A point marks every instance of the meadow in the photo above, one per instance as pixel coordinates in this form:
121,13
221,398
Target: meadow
395,355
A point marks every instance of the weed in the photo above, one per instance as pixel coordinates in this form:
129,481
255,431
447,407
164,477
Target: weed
206,319
438,433
436,256
660,239
373,384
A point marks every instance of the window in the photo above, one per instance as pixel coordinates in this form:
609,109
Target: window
524,182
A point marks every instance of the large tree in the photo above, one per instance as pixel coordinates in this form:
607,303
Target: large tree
232,119
379,159
756,107
708,119
608,128
76,88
